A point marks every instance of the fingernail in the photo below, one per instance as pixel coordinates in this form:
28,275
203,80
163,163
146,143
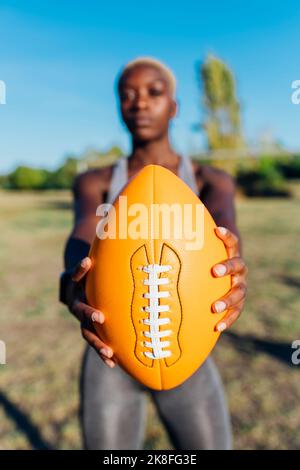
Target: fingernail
220,306
84,262
220,269
221,326
106,352
110,363
97,317
222,230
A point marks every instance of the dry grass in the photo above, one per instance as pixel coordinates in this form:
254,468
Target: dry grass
39,383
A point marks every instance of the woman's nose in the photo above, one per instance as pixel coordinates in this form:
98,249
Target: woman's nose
141,102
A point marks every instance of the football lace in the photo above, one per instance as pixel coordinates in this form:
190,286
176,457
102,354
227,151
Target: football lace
154,309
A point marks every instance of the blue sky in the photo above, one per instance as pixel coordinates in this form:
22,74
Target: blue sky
59,60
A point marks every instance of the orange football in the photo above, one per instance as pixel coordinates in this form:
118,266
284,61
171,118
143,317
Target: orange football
151,277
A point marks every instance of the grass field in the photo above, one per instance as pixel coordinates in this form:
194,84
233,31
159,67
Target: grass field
39,383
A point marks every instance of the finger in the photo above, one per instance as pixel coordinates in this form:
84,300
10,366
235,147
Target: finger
104,351
229,266
231,241
89,317
86,313
231,299
110,363
231,316
81,269
241,277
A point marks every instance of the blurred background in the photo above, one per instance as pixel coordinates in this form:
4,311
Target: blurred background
237,69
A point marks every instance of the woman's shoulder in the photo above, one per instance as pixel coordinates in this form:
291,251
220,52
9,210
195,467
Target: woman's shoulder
92,180
212,177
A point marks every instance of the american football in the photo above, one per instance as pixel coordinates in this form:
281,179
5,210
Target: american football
151,277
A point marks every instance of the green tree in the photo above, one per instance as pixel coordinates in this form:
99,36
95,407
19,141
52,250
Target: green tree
63,177
4,181
24,177
221,108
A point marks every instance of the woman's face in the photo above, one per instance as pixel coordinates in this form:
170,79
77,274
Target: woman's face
146,103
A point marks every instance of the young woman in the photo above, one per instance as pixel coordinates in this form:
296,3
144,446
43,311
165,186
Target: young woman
112,403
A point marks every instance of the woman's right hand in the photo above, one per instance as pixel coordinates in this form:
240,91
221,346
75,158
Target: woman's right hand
88,315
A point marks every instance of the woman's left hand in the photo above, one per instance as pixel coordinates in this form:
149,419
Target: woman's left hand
234,300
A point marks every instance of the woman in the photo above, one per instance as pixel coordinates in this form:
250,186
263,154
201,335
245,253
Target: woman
113,403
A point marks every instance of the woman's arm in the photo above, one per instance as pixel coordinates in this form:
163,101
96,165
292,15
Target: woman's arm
86,198
218,196
88,191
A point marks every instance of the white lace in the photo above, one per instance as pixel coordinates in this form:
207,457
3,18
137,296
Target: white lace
155,335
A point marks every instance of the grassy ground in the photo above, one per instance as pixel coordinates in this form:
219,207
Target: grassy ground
39,383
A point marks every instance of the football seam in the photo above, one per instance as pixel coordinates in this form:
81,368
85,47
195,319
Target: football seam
177,289
131,304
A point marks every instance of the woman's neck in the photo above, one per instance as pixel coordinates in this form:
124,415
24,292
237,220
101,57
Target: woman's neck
157,152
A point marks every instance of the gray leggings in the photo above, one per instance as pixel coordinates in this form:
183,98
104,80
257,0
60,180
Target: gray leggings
113,408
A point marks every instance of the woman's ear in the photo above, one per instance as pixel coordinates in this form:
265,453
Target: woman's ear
174,108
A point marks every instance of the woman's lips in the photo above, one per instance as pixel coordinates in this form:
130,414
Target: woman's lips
142,122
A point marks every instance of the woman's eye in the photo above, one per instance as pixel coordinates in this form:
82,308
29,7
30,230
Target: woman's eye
155,92
127,95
